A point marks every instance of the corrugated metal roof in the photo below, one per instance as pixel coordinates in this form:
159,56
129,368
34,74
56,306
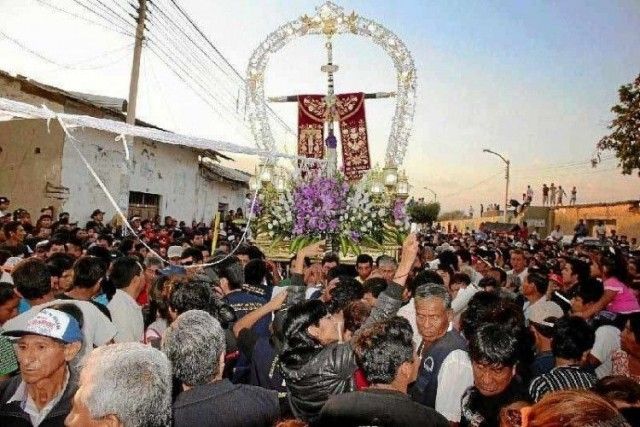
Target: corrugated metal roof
118,104
227,173
114,106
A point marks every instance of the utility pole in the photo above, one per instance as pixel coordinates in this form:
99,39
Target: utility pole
135,67
127,167
435,196
506,190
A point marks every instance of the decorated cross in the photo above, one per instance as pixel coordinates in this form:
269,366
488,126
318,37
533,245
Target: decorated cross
347,109
317,111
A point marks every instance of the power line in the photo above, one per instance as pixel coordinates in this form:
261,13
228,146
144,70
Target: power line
127,12
181,48
72,66
226,61
101,15
179,71
110,11
180,28
84,18
194,76
473,186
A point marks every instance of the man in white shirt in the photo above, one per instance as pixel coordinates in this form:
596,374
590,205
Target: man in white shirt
445,368
534,290
4,205
126,314
517,275
556,235
607,336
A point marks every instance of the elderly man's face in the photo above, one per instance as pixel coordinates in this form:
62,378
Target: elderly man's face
387,271
432,319
42,358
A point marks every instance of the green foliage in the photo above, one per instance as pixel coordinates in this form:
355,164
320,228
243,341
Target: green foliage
624,138
423,213
452,215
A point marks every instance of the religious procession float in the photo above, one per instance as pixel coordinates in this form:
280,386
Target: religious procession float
356,208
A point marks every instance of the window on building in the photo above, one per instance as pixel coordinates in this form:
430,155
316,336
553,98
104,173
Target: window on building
144,205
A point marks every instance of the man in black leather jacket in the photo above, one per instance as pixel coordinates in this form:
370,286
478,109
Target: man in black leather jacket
331,370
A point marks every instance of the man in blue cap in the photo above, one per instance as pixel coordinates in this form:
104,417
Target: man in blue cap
43,393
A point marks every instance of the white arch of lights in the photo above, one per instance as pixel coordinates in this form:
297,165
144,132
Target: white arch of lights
331,20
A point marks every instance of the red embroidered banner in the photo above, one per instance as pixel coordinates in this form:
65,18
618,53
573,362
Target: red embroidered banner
353,135
311,117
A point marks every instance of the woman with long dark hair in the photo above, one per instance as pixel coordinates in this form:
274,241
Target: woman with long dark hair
315,362
618,297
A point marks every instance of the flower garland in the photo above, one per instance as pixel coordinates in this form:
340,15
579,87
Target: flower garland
348,216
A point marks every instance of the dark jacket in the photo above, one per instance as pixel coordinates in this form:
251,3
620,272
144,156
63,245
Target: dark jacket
377,407
425,388
223,404
331,371
12,415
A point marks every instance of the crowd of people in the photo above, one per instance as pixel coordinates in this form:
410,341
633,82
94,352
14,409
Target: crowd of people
158,328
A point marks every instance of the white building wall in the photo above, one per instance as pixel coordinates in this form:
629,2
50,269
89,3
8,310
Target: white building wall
168,170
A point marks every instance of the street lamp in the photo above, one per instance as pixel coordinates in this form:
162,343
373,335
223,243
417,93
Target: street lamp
266,172
390,176
506,191
435,196
402,190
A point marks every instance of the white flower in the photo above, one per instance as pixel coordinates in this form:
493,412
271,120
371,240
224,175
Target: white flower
275,222
271,234
369,224
381,212
270,226
363,228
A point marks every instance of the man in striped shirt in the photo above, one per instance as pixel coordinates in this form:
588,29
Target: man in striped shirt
572,340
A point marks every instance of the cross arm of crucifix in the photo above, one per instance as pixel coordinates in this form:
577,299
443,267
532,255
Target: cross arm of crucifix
294,98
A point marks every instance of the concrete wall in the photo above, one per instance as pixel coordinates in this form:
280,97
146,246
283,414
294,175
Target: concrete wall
168,170
470,223
624,217
30,157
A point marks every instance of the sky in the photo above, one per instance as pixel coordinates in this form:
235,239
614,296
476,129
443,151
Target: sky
532,80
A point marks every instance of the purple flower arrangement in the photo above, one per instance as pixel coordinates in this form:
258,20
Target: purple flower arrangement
399,211
317,205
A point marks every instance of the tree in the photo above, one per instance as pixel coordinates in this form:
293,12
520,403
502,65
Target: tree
624,139
423,213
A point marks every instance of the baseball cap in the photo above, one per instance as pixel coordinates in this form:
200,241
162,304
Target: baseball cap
53,324
174,252
545,309
4,199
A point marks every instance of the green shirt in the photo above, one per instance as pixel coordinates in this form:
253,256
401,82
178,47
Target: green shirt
8,361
